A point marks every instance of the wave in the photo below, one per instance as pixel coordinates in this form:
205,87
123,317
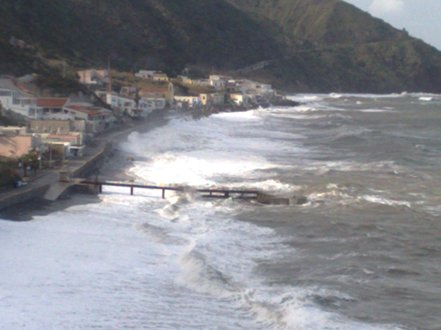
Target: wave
336,95
271,307
198,274
347,196
384,201
388,167
306,98
242,116
376,110
270,185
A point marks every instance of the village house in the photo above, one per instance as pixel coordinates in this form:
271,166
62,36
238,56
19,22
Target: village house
233,86
17,99
185,80
218,82
70,144
121,104
15,142
129,91
239,99
149,104
188,102
160,76
139,104
152,75
212,99
13,130
194,82
57,126
97,119
145,74
93,77
158,91
53,107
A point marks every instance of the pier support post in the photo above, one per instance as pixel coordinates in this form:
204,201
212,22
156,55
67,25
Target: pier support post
163,193
131,190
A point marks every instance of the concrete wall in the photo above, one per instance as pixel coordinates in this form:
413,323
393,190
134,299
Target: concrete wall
22,195
50,126
94,163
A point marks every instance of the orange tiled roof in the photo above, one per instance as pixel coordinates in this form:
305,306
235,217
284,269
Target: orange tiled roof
90,110
51,102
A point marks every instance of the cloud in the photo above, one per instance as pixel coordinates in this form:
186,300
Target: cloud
386,7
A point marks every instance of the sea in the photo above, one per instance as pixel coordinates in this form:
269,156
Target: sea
364,252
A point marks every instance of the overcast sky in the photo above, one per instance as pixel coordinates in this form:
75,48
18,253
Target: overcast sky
421,18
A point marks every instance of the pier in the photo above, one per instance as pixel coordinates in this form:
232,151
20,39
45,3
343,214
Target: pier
221,193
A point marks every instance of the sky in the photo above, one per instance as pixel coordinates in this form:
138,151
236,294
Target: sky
421,18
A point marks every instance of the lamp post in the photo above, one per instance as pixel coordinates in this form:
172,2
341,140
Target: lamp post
20,167
50,155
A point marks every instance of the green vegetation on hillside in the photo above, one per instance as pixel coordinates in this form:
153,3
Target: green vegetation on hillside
309,45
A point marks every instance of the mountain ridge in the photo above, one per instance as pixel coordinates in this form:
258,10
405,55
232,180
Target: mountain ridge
308,45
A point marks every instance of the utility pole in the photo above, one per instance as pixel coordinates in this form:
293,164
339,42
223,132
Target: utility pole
109,76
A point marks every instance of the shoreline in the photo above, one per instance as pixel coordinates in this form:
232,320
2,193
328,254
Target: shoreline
18,204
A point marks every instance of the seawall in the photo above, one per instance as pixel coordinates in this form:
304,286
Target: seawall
38,188
22,196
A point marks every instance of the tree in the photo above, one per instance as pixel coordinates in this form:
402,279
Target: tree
31,159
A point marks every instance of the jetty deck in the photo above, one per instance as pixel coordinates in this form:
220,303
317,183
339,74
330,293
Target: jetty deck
205,192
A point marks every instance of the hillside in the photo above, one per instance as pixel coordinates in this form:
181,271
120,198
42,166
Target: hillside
135,33
333,46
307,45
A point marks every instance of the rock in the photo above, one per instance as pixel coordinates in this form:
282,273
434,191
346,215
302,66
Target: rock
298,200
272,200
282,102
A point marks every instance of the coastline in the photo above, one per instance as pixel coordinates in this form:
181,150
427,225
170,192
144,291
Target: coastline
18,204
22,203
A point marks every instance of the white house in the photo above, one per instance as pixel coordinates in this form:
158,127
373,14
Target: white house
122,104
145,74
147,105
160,76
19,104
188,101
218,82
152,75
53,108
239,99
93,77
212,99
16,99
97,119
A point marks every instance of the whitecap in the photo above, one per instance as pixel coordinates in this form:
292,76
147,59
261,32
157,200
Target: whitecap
384,201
